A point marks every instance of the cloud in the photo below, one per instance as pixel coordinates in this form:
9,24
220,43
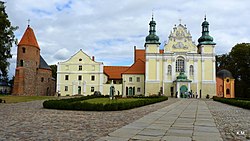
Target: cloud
62,54
110,29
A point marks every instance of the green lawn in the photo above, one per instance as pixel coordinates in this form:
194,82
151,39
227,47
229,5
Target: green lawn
16,99
107,100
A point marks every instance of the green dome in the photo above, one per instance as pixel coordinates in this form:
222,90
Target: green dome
205,38
205,23
152,38
181,76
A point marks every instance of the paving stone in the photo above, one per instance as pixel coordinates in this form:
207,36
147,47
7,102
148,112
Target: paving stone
176,138
152,132
124,132
145,138
179,132
206,138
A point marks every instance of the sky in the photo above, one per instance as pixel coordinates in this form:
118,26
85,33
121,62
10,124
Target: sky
109,29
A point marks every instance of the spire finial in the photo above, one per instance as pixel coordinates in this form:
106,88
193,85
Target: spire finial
180,20
152,14
205,18
28,22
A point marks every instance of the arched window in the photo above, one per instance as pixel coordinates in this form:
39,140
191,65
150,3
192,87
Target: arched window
180,65
169,70
191,70
21,63
228,91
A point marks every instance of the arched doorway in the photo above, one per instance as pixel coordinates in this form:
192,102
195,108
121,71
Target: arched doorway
79,89
183,90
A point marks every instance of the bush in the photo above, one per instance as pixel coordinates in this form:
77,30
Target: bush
80,104
234,101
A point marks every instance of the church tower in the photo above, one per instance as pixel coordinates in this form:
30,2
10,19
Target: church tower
152,40
28,60
206,44
206,50
153,65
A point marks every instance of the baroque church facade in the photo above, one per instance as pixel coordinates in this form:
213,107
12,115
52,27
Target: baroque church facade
180,67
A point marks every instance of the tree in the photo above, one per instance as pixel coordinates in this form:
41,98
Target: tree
7,39
240,67
54,70
238,63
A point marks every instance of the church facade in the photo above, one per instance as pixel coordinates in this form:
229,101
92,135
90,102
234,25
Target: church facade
181,67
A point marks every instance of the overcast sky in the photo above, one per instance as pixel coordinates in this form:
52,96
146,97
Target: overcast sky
109,29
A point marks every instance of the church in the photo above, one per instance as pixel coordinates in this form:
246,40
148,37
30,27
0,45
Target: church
181,67
33,76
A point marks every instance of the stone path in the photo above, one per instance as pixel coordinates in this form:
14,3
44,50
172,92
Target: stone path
185,120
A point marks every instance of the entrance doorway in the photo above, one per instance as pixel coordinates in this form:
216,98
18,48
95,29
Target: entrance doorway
183,91
79,89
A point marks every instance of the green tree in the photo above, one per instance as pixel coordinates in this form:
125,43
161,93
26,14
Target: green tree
240,68
54,70
7,39
238,63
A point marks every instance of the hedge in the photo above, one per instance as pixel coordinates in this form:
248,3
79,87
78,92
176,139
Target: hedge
234,101
80,104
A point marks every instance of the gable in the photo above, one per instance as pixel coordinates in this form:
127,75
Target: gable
180,40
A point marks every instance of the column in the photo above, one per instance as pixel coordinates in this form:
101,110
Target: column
157,69
195,70
147,68
173,69
178,89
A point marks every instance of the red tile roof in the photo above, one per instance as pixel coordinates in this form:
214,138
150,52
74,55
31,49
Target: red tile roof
115,72
29,38
161,51
140,54
137,68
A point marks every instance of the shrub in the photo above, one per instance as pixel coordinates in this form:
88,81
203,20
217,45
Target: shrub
234,101
80,104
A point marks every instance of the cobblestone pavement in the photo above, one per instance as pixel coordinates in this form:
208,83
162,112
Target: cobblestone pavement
29,121
232,122
185,120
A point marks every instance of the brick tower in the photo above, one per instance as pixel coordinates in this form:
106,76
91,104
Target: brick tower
33,75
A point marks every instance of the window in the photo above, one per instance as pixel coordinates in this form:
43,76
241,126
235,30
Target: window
66,88
180,65
92,78
80,67
66,77
228,91
138,79
169,70
92,89
191,70
67,67
130,79
42,79
21,63
24,49
80,59
138,89
79,77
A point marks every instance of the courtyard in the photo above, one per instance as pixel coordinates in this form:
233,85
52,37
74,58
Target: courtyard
30,121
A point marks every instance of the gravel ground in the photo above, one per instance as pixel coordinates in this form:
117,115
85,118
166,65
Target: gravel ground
29,121
232,122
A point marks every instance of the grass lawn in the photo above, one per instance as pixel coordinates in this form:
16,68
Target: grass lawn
107,100
16,99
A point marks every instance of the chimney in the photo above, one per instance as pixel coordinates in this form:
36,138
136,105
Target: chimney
93,58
